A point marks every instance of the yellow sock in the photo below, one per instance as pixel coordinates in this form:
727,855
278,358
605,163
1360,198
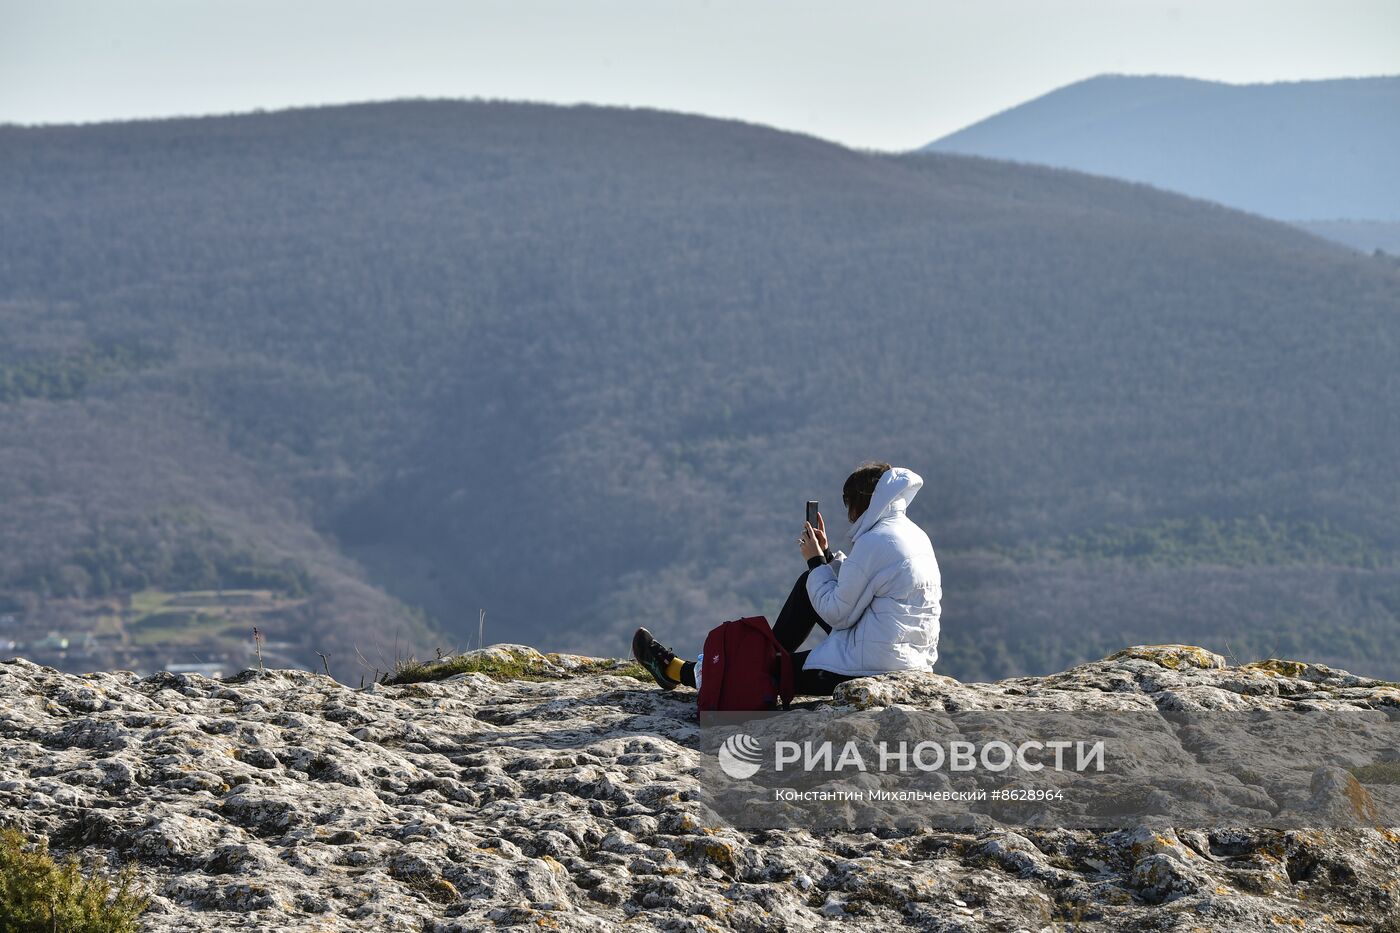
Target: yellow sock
673,670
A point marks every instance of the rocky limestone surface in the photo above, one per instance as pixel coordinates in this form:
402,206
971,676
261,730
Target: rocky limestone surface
567,799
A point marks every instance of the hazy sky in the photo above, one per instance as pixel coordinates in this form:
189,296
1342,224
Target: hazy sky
871,73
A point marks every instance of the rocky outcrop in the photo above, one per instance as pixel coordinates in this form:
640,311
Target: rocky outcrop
565,797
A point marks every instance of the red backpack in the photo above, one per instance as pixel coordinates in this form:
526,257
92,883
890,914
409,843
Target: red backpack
745,668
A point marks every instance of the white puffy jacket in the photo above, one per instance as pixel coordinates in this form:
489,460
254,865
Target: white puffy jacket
881,601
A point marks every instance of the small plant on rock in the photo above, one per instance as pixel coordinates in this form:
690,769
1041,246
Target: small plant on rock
39,894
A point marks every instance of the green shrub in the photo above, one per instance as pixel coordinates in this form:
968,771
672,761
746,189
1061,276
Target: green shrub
502,665
39,894
1379,772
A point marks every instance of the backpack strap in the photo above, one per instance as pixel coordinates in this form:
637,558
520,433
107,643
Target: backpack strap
712,672
786,674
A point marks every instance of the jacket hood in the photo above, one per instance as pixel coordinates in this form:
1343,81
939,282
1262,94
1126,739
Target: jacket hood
897,488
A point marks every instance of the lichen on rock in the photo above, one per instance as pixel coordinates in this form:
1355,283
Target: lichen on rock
561,792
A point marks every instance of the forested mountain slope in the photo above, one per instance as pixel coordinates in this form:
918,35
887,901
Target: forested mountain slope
581,366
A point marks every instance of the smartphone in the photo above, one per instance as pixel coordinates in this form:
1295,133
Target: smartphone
812,512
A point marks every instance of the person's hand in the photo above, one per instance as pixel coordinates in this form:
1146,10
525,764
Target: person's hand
821,532
810,543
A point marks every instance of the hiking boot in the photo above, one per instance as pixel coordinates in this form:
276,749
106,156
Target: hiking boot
655,657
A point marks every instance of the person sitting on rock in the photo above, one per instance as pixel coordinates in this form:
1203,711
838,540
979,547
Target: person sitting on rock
880,604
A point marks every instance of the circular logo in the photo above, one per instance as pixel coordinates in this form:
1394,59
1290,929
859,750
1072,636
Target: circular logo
739,756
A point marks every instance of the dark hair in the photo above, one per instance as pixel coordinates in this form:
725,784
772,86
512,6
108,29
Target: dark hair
860,486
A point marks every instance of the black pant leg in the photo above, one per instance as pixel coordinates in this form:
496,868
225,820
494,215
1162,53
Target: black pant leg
813,681
796,618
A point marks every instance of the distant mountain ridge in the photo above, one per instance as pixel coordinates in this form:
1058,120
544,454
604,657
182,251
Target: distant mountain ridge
580,366
1295,151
